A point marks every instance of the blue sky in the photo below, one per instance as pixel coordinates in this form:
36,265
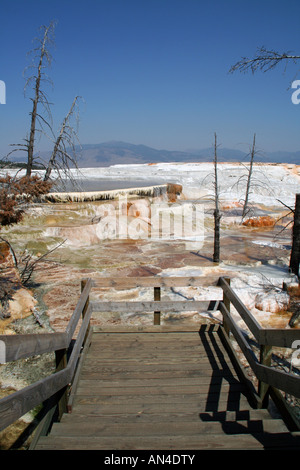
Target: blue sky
155,72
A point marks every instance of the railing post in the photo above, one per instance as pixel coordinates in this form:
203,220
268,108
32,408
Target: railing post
263,388
83,284
226,302
61,361
157,298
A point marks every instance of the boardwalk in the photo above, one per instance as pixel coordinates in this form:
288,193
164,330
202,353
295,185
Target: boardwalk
163,390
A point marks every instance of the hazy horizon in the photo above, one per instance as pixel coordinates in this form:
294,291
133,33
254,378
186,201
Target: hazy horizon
156,73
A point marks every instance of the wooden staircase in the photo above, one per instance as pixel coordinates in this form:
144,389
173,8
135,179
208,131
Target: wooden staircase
163,390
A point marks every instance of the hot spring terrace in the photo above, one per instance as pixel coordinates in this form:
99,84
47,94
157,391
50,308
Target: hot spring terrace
168,189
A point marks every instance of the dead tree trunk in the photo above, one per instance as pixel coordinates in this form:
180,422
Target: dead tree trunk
39,95
245,208
295,254
217,215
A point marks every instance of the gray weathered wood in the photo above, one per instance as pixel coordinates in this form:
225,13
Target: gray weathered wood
27,345
128,402
138,366
265,336
153,281
17,404
246,315
149,306
276,378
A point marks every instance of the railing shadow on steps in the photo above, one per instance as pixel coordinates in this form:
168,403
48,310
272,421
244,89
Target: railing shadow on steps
238,419
271,381
56,391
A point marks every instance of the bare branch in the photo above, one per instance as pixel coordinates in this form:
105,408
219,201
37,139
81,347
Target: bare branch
264,60
288,207
29,265
61,160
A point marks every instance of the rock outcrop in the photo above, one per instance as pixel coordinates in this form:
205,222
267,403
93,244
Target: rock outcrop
16,301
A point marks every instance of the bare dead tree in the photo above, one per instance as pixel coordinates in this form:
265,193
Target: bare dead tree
27,264
245,207
41,59
217,215
64,154
264,60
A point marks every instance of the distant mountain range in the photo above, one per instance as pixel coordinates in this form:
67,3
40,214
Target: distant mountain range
115,152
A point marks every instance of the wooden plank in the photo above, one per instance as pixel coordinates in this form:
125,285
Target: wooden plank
279,337
78,371
149,373
79,309
157,329
158,389
245,314
180,406
94,427
153,281
278,379
21,346
163,333
200,442
78,416
275,378
157,356
143,338
132,346
194,399
149,306
27,345
18,403
128,382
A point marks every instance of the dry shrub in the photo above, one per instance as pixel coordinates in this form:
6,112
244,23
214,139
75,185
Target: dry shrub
16,193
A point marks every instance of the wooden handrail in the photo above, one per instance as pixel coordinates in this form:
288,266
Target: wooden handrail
246,315
27,345
17,404
149,306
271,381
280,337
148,281
279,379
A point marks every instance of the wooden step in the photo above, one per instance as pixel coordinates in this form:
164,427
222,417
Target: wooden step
167,390
80,414
200,442
96,427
